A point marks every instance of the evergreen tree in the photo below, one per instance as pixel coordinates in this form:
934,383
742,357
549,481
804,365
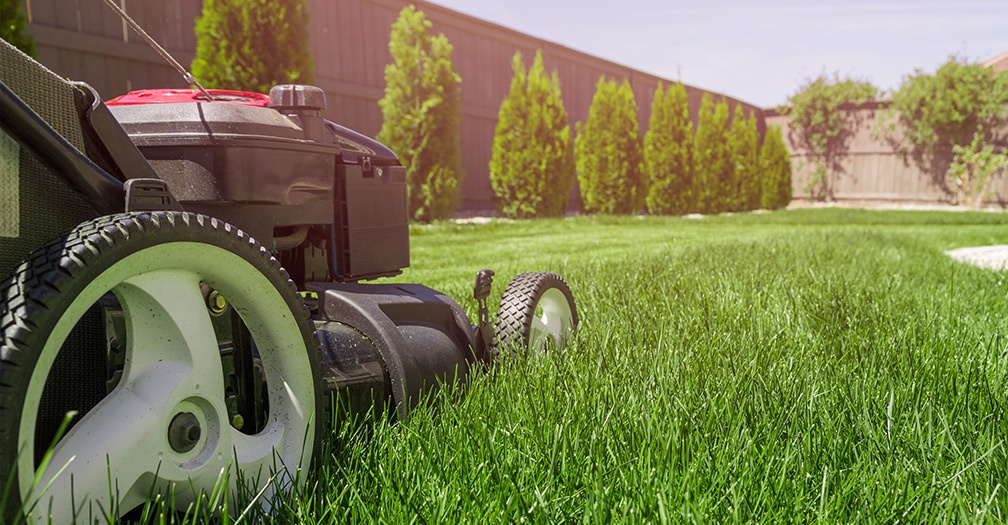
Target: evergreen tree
422,113
12,27
753,167
532,167
726,186
608,152
252,45
711,156
734,198
745,181
776,162
668,146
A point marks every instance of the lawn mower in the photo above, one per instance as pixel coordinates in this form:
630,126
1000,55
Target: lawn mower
182,306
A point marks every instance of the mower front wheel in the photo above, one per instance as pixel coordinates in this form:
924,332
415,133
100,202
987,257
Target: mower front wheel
161,423
537,311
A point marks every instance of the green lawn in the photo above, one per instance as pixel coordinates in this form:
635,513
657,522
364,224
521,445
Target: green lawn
801,366
818,365
809,365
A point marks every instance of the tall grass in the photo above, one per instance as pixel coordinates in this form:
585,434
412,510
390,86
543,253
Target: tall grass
812,366
799,366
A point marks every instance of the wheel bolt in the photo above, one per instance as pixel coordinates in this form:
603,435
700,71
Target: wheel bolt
216,302
184,432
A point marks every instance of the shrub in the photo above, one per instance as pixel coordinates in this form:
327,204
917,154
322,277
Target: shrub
972,169
962,104
252,45
532,165
668,146
776,170
421,110
608,152
823,128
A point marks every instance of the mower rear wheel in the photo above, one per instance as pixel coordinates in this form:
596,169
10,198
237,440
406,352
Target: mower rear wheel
537,311
163,425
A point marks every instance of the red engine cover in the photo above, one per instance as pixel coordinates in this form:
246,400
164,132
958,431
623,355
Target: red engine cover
173,96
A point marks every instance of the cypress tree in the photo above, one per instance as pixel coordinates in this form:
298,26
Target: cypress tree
711,156
532,165
252,45
510,169
12,27
753,183
559,155
668,146
726,193
422,113
734,198
745,188
608,152
776,162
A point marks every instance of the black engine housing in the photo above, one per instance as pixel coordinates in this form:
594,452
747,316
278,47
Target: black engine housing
331,201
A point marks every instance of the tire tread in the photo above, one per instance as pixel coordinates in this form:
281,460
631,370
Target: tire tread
517,306
39,284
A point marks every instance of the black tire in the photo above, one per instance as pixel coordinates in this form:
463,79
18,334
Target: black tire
535,305
154,264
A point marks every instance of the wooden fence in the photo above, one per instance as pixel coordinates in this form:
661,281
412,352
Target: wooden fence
873,171
85,40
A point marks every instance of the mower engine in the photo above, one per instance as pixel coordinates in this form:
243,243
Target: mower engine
330,200
332,205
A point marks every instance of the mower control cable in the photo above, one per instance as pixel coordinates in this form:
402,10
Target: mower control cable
189,78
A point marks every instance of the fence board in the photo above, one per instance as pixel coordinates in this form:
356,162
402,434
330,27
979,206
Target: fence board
41,13
67,15
152,19
91,17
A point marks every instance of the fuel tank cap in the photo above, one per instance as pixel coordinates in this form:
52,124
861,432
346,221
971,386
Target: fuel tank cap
297,97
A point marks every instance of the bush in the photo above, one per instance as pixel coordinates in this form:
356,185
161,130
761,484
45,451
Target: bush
252,45
421,110
823,129
608,152
712,162
963,104
776,170
532,166
668,147
972,169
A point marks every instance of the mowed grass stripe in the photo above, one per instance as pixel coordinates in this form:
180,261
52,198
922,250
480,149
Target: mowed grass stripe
806,365
820,365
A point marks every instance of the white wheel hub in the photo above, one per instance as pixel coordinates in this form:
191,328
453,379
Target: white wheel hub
172,367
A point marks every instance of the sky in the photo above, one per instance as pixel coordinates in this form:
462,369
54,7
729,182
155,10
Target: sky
761,52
